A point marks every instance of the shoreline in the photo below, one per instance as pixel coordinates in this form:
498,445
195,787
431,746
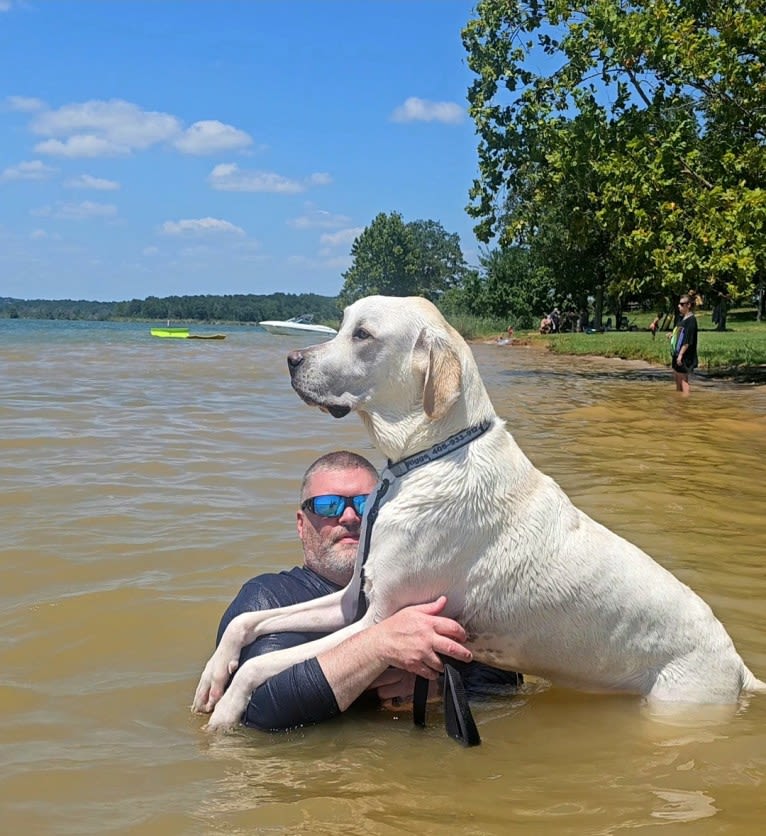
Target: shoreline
752,375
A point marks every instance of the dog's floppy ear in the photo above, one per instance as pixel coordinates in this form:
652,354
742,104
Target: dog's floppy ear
443,374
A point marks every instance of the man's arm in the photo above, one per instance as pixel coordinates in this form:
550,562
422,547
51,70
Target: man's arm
319,689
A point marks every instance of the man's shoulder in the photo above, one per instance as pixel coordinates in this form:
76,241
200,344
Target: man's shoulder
280,589
273,590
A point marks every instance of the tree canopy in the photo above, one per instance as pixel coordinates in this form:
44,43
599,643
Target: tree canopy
623,142
403,259
246,307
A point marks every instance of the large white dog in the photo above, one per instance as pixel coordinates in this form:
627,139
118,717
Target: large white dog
539,586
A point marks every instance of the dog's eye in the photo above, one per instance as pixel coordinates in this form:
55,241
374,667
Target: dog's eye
361,334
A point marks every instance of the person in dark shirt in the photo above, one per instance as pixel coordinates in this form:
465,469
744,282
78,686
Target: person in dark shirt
683,343
382,660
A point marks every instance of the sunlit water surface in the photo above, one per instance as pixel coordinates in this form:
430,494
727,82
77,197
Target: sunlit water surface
143,480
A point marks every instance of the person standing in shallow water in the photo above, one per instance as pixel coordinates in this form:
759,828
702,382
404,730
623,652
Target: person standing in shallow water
683,343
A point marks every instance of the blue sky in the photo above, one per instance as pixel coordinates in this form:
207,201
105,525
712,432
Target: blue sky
159,148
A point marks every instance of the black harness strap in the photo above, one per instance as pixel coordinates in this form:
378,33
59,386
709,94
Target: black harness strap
457,712
458,719
419,701
372,515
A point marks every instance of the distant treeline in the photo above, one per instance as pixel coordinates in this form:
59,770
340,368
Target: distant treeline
245,307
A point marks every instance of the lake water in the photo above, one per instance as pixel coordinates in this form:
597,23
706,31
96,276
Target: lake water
143,480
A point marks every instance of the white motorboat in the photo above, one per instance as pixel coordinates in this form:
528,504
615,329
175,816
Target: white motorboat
298,326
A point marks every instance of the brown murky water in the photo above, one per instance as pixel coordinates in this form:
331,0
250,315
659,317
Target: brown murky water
141,481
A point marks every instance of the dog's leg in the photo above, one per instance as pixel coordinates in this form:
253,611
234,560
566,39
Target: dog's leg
325,614
254,672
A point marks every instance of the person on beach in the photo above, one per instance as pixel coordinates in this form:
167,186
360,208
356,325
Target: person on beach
683,343
378,664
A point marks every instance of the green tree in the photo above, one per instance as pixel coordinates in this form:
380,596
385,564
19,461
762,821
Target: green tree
639,145
507,286
440,264
395,258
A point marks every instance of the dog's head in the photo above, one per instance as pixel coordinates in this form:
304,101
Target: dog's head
395,360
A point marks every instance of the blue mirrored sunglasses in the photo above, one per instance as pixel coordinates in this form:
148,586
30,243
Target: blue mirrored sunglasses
332,505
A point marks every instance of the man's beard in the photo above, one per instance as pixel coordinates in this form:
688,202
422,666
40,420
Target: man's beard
339,558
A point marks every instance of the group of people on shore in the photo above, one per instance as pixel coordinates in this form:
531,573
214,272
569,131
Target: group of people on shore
683,338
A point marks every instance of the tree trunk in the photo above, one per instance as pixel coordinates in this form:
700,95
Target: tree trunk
720,311
598,309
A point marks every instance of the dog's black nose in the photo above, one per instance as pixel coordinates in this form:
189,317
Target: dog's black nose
294,359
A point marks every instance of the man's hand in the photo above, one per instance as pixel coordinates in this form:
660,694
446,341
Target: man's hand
396,687
411,640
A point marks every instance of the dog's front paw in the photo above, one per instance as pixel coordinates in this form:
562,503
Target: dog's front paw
213,682
226,715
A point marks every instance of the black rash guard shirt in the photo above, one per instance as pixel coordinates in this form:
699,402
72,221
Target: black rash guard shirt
301,695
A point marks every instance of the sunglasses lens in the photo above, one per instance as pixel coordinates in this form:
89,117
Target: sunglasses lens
329,505
332,505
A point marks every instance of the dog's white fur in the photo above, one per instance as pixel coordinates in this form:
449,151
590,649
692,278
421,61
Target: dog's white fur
539,586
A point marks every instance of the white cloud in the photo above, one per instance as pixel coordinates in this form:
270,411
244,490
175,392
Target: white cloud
82,145
114,127
25,104
421,110
150,251
28,170
343,237
97,128
77,211
315,218
200,226
229,177
118,121
210,136
38,234
87,181
5,5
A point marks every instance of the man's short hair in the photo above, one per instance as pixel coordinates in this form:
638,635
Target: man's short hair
337,460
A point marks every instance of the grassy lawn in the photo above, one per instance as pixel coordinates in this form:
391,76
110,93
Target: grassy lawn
740,351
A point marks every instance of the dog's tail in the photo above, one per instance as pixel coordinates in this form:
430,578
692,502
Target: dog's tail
751,684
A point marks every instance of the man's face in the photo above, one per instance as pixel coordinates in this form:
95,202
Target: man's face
330,543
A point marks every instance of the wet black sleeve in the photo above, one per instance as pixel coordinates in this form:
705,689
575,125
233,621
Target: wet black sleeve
301,694
298,696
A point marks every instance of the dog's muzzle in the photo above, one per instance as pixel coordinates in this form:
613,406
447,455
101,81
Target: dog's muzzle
295,360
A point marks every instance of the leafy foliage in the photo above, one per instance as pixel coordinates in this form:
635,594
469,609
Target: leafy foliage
507,288
395,258
623,142
230,308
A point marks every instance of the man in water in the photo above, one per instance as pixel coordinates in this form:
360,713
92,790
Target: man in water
382,659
